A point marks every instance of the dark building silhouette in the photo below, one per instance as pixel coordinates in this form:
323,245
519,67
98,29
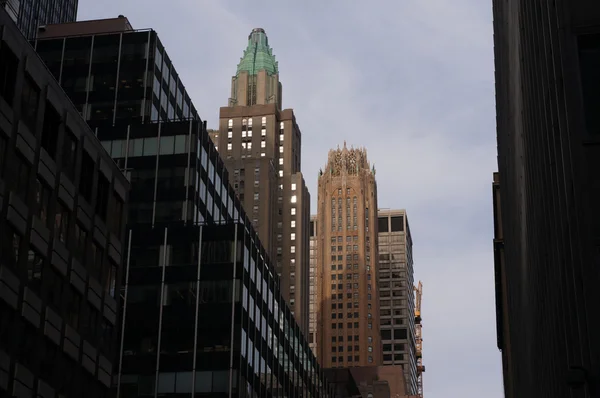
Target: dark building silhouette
32,15
204,311
204,305
547,196
113,73
62,224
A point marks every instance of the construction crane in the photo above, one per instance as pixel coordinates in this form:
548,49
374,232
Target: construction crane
418,338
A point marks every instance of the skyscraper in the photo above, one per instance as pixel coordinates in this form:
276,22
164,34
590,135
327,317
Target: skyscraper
32,15
547,196
62,223
261,145
348,319
203,307
396,298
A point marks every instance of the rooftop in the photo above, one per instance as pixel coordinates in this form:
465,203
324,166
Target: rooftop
85,28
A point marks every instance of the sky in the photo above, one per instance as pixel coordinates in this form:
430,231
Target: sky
412,82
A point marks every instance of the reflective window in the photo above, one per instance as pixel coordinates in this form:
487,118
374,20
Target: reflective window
167,145
150,146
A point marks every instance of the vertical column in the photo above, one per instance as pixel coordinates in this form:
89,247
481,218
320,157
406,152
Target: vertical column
160,314
197,318
123,321
232,336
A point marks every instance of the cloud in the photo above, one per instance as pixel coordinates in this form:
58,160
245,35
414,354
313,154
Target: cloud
410,80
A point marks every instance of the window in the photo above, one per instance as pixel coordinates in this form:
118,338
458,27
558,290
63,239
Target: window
589,61
29,103
102,197
34,269
264,120
79,242
22,171
293,211
293,236
8,73
50,130
280,148
61,222
86,179
293,200
293,223
42,197
3,143
230,123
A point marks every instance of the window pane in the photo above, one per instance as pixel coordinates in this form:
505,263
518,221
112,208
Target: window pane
150,146
167,145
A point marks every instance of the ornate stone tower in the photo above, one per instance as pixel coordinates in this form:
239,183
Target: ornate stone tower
348,319
261,145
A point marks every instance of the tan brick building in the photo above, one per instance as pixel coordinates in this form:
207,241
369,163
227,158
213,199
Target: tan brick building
261,145
347,251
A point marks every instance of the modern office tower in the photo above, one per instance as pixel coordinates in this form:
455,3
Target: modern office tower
348,319
261,145
62,227
113,73
547,196
32,15
314,297
204,310
396,297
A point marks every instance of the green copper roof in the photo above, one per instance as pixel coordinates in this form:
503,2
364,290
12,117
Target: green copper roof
258,55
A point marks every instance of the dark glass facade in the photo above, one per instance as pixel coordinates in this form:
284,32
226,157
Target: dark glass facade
118,78
29,15
547,196
62,225
204,310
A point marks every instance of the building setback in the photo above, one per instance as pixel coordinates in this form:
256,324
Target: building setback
32,16
115,75
396,298
62,223
348,315
547,195
261,145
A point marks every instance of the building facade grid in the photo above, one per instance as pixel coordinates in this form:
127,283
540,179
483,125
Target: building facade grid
62,224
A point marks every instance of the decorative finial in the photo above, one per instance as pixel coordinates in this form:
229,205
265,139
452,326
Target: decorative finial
344,144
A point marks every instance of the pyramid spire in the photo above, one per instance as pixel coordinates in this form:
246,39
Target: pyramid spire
258,55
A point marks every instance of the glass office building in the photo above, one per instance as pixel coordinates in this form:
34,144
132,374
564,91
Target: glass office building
62,226
30,15
114,74
204,311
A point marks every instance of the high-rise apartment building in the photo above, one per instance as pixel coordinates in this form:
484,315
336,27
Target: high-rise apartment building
396,297
261,145
115,75
62,224
547,196
348,316
31,16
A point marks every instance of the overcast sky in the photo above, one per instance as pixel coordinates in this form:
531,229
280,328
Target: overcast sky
410,80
